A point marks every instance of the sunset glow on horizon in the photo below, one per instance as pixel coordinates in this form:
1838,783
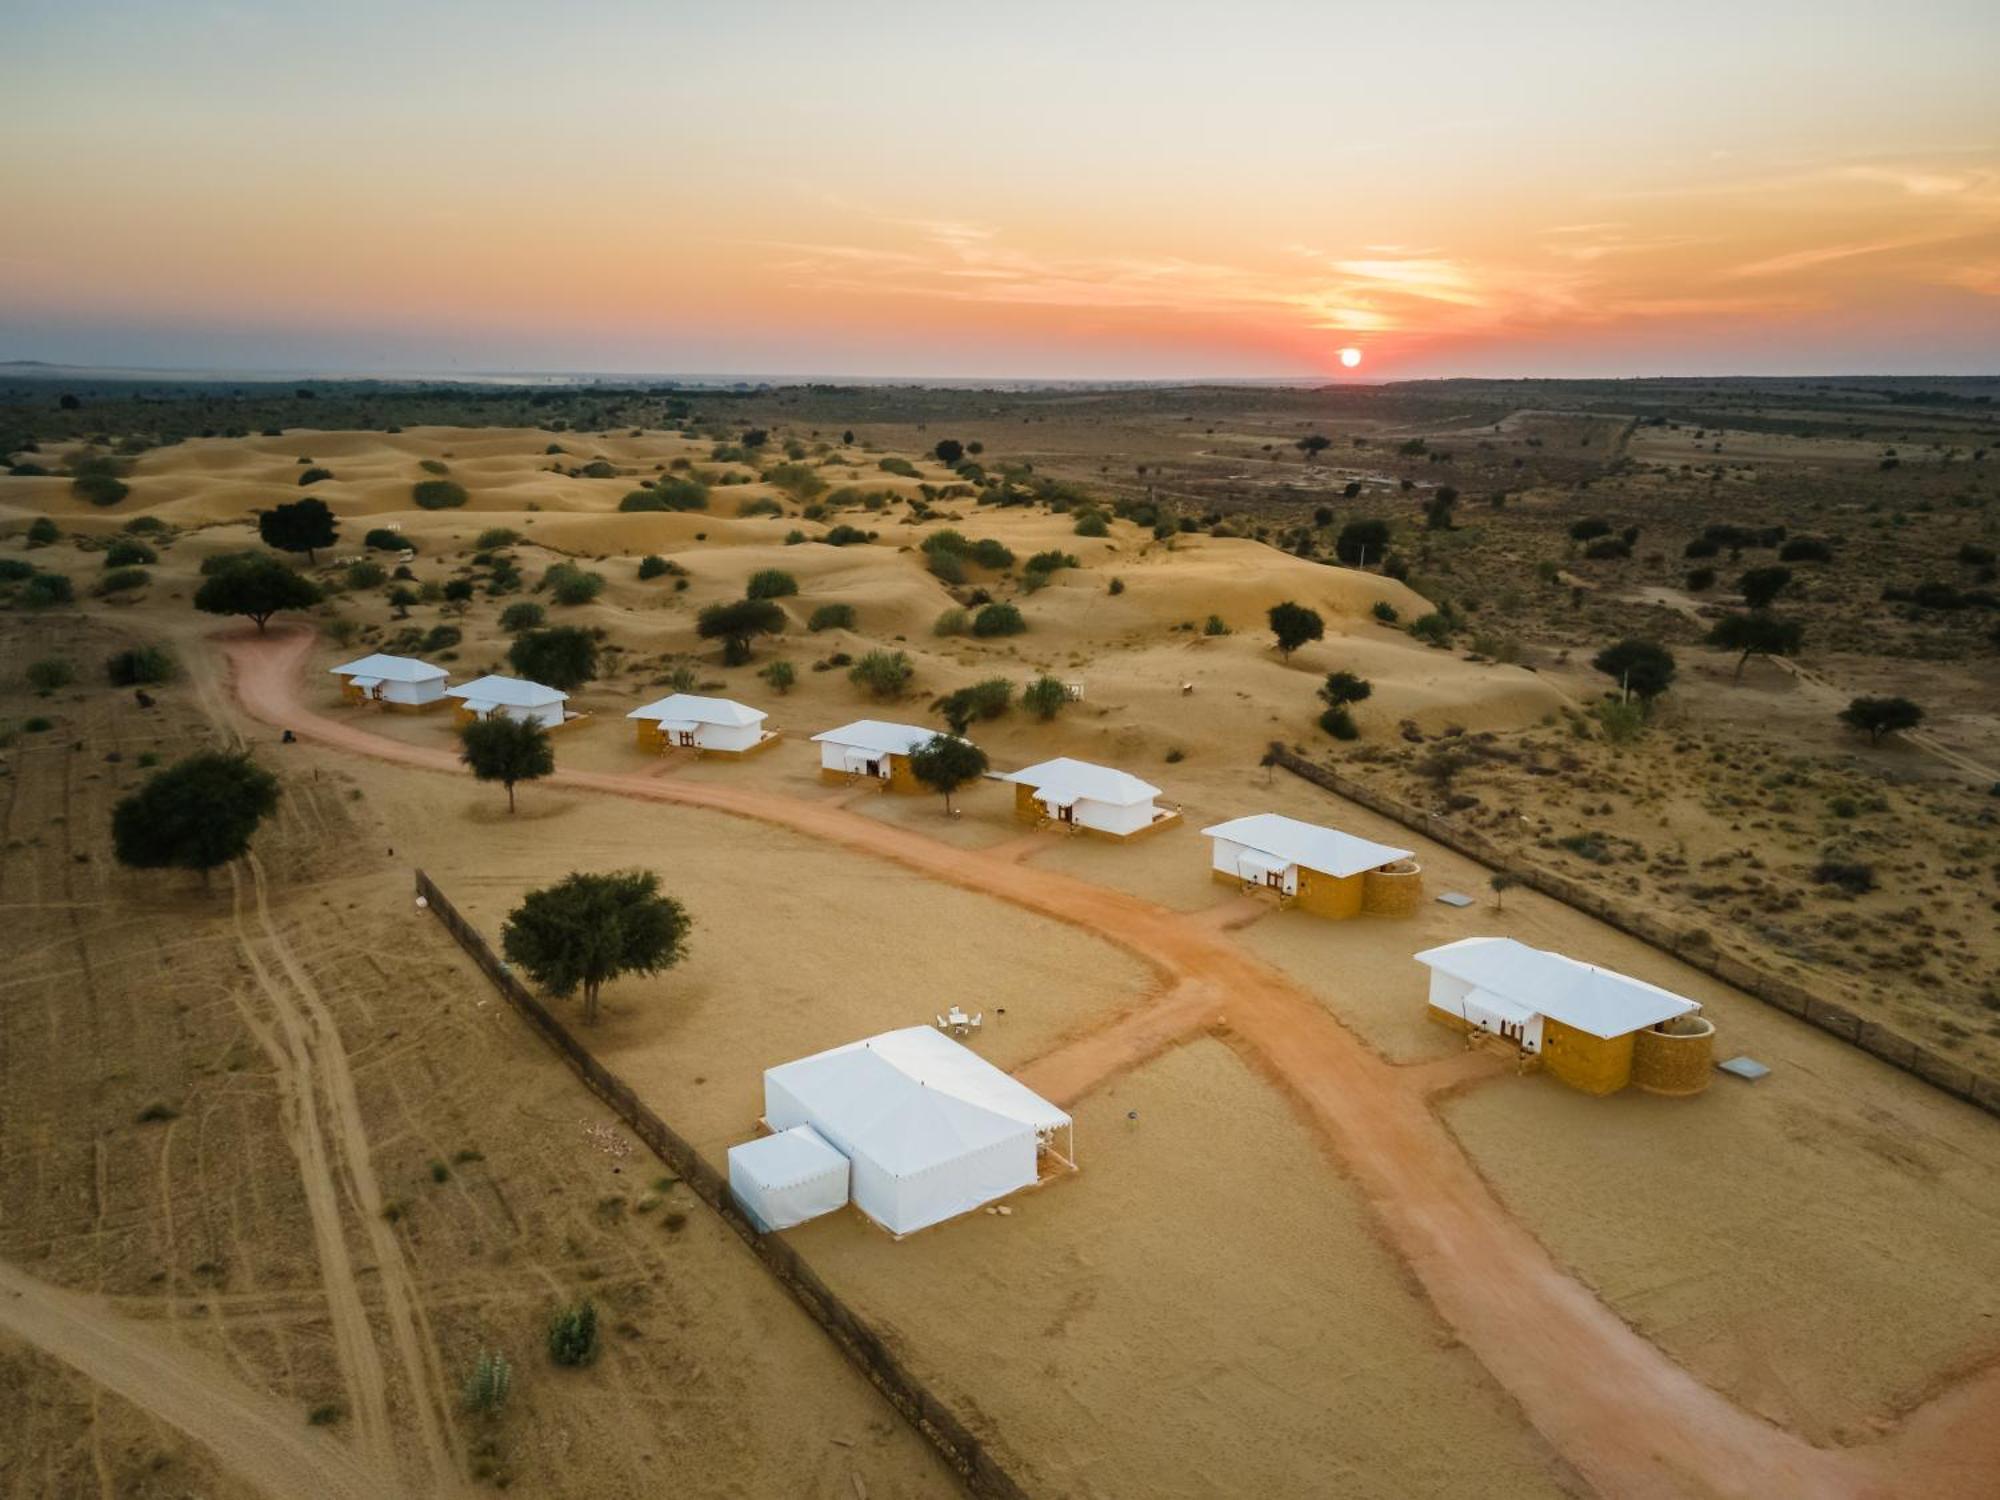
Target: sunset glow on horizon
1066,192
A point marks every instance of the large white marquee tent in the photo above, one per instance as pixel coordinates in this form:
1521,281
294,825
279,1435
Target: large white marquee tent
930,1129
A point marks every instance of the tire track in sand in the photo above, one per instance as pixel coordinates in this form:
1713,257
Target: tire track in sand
321,1074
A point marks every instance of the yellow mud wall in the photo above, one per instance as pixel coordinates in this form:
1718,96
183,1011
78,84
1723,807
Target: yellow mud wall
1026,808
903,779
1324,896
1596,1065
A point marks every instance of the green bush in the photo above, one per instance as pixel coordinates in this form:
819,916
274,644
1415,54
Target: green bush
146,526
900,466
129,554
800,481
947,567
1045,697
50,673
1339,722
770,583
382,539
953,621
1385,612
139,666
434,466
487,1387
884,674
13,570
525,615
847,536
363,574
1215,626
1090,523
313,476
495,537
570,584
832,617
42,532
46,589
763,505
599,468
1434,628
100,489
123,580
998,619
573,1334
438,494
676,494
652,565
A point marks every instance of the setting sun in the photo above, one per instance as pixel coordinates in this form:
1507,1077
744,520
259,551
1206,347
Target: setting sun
1350,357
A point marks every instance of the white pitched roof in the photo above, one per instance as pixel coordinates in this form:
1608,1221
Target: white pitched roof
686,708
1064,781
1326,850
873,734
390,669
859,1091
509,692
1602,1002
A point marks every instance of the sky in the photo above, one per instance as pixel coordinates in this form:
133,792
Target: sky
1093,189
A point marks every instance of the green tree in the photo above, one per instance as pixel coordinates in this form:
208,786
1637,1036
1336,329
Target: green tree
944,763
1294,625
1760,586
139,666
1644,668
303,526
1343,688
1879,716
1045,697
737,625
949,452
588,929
1312,446
1756,634
884,674
507,750
1360,542
524,615
1438,509
563,656
126,553
198,813
257,587
770,583
780,675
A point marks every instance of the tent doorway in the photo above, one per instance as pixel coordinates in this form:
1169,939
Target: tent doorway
1066,814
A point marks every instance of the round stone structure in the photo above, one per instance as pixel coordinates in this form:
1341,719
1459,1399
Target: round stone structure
1394,890
1676,1057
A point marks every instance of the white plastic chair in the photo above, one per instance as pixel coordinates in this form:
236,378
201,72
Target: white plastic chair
978,1020
940,1023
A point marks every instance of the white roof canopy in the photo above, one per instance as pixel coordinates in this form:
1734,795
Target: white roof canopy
686,708
390,669
1602,1002
508,692
1326,850
883,739
1062,782
366,684
932,1129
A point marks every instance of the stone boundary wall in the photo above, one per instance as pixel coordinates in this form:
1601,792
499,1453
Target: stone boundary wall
1891,1046
934,1421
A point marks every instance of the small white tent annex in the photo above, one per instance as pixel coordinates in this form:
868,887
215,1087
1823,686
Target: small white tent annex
931,1129
784,1179
685,721
1083,795
511,697
398,681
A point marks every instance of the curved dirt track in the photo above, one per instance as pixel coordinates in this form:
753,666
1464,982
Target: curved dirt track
256,1437
1625,1416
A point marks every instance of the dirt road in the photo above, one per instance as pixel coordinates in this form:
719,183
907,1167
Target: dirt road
1629,1419
257,1437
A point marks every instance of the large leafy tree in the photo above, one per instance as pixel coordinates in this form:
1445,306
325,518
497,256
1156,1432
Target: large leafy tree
588,929
302,526
737,624
1361,541
1646,668
1880,716
257,587
1757,634
1760,586
563,656
195,815
944,763
1294,625
507,750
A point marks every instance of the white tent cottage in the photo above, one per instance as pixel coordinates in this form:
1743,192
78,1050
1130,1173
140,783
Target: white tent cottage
685,721
1097,799
1580,1019
871,748
510,697
393,681
1327,872
784,1179
930,1129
